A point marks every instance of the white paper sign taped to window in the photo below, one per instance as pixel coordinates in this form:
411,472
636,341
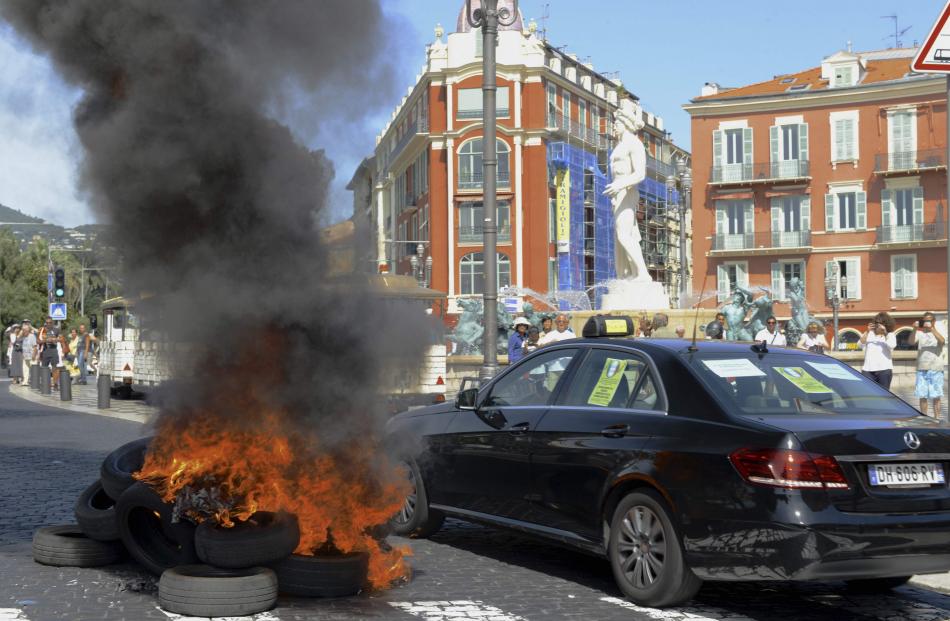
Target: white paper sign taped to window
834,371
738,367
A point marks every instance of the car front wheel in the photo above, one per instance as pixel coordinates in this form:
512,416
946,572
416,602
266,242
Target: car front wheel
415,518
646,555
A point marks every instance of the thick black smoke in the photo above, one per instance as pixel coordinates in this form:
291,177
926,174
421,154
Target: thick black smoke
215,204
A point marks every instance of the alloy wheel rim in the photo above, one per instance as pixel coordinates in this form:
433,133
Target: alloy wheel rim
641,547
408,508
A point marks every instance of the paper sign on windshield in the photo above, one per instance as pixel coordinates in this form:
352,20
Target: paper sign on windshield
834,371
606,387
802,380
739,367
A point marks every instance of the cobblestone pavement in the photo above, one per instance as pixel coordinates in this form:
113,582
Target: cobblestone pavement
47,456
85,400
907,394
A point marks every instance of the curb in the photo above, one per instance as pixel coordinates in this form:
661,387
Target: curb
28,395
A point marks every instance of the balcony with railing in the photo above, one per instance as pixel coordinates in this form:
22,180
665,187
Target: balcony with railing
769,242
473,180
662,168
416,128
559,123
911,233
909,161
762,172
475,234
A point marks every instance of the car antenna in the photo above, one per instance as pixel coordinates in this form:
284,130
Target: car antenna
692,346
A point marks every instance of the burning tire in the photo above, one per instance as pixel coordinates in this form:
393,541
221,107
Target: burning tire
146,529
322,576
67,546
203,591
117,469
264,539
416,518
95,514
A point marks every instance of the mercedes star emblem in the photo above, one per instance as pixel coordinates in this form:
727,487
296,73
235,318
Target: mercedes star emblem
911,440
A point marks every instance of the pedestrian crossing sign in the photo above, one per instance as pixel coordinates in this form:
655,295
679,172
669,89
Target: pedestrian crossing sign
57,311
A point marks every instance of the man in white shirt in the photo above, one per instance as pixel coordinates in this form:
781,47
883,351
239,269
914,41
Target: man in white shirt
771,334
879,343
930,365
562,332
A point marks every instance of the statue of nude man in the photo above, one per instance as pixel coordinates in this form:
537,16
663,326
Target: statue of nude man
628,166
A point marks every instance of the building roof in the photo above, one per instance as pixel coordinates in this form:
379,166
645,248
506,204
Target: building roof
881,66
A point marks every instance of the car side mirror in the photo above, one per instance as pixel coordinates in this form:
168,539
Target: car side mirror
465,400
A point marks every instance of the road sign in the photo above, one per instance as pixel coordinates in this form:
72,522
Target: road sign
934,55
513,305
57,311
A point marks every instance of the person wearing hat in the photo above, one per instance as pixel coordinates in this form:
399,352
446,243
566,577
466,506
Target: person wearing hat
516,340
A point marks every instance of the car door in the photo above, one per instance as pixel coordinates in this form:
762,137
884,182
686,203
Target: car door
599,424
483,458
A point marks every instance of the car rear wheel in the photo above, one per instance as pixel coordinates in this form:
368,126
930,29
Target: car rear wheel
646,554
876,585
416,518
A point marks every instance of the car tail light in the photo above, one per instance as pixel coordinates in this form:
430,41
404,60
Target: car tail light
790,469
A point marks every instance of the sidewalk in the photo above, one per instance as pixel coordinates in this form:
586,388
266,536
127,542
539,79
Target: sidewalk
85,400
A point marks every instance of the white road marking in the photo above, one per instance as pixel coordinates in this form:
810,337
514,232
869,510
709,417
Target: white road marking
261,616
457,610
676,614
12,614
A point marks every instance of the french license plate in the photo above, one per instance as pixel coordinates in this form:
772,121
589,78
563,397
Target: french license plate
898,475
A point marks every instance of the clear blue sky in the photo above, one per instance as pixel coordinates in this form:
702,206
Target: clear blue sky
664,52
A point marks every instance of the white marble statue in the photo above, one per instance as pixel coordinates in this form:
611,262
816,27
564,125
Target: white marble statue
628,167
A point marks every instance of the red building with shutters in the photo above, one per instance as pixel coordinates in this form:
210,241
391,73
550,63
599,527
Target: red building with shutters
835,175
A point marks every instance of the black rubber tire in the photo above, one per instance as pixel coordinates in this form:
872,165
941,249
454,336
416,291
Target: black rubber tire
322,576
67,546
204,591
876,585
117,468
421,521
95,514
675,583
146,529
265,539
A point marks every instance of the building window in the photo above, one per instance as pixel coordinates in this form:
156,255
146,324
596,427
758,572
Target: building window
732,154
733,146
472,222
470,164
844,136
848,278
844,76
845,210
904,276
789,143
472,269
791,218
782,274
566,110
424,223
552,105
902,215
552,273
902,139
595,117
582,115
470,103
729,276
734,225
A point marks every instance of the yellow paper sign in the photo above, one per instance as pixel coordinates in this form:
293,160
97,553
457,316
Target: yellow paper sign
802,380
615,326
563,209
606,387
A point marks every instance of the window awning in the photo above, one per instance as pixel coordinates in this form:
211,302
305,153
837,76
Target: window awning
732,196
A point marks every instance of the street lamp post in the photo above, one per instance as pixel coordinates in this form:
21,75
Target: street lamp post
831,292
421,266
487,17
686,183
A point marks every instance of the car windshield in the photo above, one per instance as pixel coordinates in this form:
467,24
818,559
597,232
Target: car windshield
777,383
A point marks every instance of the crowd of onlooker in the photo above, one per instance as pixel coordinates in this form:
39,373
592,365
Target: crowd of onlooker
74,353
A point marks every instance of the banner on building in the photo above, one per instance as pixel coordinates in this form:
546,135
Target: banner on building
563,209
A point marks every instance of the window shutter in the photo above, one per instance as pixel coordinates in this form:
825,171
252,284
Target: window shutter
806,216
722,282
887,207
774,147
747,151
742,275
897,277
912,276
720,220
717,150
918,206
778,283
837,146
829,212
862,210
802,277
854,279
849,140
829,270
802,144
777,217
749,217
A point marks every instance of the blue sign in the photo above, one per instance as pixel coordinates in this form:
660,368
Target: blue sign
57,311
513,305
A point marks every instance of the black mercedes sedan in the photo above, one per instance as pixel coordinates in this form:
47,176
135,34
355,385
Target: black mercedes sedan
682,462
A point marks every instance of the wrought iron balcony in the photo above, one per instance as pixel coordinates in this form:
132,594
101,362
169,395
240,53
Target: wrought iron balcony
473,180
475,234
662,168
419,126
904,161
560,123
904,233
770,240
762,172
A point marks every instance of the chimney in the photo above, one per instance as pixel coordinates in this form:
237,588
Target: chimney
710,88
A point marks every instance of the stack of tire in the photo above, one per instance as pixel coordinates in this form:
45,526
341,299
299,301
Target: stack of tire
206,570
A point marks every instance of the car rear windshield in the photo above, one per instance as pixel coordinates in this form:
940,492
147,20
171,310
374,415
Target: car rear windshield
777,383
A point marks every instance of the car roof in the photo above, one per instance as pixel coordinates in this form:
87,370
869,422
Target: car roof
676,346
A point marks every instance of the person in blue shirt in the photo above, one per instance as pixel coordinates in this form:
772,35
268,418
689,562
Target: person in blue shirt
517,339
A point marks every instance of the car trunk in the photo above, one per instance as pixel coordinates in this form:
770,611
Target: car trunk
905,479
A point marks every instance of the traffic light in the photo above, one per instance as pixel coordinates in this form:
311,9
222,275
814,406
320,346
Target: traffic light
59,283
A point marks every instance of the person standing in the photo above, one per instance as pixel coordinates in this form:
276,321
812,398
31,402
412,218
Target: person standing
28,345
561,332
547,324
517,339
531,342
930,343
48,354
16,356
813,340
771,334
83,349
879,343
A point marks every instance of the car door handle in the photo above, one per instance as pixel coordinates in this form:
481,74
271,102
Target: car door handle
519,428
615,431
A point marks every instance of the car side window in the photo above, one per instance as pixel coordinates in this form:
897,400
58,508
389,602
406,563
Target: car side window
532,382
612,379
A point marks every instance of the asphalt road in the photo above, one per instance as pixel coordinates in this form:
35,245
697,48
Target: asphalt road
47,456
